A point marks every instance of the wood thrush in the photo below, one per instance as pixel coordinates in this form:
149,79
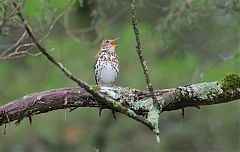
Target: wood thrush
106,66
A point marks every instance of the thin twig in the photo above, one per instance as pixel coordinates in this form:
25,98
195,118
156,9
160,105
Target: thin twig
140,54
16,54
50,58
14,45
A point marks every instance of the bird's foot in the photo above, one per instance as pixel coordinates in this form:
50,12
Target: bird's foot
111,93
113,113
100,111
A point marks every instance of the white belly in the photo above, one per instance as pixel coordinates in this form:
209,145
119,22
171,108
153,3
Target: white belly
107,74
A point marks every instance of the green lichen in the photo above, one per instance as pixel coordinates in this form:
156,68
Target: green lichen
153,118
116,104
202,91
95,87
231,81
142,104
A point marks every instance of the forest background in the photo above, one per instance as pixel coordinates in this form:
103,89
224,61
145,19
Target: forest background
185,42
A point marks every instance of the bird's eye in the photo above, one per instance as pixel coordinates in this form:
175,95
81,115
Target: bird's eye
107,41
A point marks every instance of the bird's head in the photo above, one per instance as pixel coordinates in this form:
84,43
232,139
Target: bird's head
108,44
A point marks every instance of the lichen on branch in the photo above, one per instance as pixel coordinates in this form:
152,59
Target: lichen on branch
137,103
231,81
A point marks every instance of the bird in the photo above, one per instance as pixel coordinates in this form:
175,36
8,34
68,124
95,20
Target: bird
106,65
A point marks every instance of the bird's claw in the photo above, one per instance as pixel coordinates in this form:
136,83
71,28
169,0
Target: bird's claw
111,93
113,113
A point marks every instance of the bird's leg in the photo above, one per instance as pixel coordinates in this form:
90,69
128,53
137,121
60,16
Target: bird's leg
109,91
114,114
100,111
183,114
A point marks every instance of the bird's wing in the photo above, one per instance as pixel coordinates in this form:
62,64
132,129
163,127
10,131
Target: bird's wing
94,66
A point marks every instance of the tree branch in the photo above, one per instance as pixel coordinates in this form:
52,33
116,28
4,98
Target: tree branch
155,112
109,102
140,49
195,95
131,102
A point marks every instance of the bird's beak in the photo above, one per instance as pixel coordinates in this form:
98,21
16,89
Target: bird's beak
113,42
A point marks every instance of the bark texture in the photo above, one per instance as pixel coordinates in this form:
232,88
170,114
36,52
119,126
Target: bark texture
140,102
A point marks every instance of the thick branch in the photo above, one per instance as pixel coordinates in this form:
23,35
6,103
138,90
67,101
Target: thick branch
139,101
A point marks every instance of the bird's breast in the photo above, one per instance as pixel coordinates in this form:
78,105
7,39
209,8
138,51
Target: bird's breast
106,68
106,71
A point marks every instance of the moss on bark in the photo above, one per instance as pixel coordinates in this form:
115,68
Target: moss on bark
231,81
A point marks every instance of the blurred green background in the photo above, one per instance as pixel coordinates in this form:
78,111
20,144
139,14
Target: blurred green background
184,42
